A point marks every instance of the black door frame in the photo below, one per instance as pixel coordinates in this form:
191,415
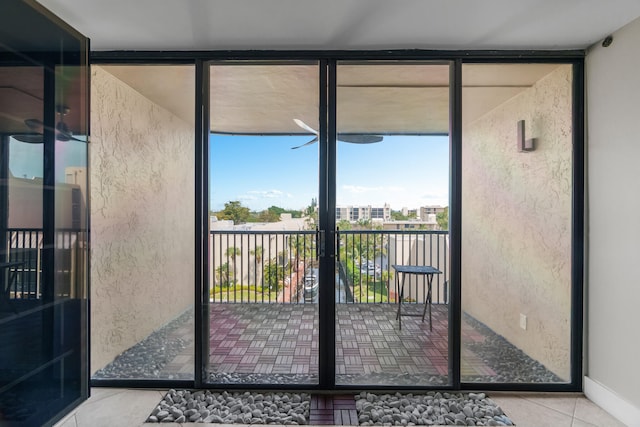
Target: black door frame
328,60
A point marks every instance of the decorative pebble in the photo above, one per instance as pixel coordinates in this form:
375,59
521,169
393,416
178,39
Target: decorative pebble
462,409
287,408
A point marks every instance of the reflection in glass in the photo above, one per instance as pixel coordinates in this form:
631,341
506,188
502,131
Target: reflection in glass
43,220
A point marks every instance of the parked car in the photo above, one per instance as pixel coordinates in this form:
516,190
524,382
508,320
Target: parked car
370,268
310,288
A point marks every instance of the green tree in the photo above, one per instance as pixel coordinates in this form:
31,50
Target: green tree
443,219
311,214
343,225
398,216
234,211
364,223
257,253
273,274
224,275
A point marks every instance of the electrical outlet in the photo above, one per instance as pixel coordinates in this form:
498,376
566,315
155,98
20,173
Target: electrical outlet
523,321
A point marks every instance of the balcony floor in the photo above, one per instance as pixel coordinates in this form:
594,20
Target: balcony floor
278,344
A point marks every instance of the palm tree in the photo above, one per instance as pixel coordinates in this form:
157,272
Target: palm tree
223,274
257,254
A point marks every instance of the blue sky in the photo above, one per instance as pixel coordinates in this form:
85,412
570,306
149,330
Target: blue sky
261,171
26,159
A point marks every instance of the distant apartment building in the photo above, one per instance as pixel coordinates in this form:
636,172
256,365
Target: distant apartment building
409,213
357,213
425,211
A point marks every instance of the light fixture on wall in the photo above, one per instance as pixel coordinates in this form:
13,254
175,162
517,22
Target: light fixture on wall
524,144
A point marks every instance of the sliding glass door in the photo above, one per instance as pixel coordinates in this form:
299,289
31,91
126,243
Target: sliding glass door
307,223
43,217
264,280
392,196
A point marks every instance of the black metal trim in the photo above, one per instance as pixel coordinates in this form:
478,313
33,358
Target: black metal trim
172,56
326,301
578,228
201,303
87,284
48,205
455,222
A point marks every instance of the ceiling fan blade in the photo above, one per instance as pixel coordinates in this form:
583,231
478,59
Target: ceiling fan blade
357,139
360,139
34,124
306,143
305,126
29,138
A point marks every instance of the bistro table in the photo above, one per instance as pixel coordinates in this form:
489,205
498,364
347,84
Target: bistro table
418,270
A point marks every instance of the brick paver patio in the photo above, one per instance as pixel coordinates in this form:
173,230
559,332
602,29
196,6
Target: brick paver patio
254,339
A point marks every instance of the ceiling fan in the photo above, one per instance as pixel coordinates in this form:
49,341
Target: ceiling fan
63,133
356,139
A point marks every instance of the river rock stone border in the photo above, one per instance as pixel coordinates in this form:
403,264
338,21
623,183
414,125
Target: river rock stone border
432,408
204,406
148,358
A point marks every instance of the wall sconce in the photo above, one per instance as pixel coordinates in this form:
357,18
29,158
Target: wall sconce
524,145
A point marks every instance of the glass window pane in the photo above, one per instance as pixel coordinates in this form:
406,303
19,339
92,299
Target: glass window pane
143,187
391,210
263,279
516,223
43,217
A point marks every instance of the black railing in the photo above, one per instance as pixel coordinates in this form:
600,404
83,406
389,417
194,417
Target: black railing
22,262
281,266
261,266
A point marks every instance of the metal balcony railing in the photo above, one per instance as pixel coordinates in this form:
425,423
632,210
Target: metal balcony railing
22,259
282,267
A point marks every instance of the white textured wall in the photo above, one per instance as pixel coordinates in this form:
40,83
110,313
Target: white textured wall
142,207
516,222
613,286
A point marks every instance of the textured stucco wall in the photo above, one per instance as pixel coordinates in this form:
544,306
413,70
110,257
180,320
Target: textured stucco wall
142,233
613,87
516,222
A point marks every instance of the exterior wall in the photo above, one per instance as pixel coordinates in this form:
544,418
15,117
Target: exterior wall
613,87
142,234
516,222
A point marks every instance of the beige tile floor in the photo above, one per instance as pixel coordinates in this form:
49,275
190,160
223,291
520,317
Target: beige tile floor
109,407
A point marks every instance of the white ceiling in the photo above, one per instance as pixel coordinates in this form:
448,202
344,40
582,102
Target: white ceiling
344,24
251,99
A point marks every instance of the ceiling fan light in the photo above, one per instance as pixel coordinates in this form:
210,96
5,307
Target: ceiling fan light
62,132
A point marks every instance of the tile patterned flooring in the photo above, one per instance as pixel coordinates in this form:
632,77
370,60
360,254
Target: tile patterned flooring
283,339
278,344
260,341
109,407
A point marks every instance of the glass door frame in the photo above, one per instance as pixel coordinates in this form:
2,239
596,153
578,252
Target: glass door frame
328,61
